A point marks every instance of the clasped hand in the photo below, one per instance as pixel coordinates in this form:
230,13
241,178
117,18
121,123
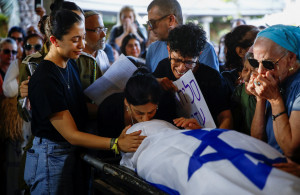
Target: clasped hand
264,86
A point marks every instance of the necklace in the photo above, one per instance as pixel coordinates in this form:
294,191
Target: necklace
67,83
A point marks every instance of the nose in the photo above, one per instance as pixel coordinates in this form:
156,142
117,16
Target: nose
146,117
102,34
181,67
261,69
149,28
32,51
82,44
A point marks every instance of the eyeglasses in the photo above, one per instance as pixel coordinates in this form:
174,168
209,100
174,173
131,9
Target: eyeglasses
268,64
36,47
188,63
97,30
17,39
152,23
8,51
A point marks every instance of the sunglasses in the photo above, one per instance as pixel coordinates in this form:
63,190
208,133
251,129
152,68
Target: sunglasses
268,64
18,39
152,23
36,47
8,51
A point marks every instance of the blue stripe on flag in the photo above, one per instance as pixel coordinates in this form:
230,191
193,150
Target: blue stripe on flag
257,174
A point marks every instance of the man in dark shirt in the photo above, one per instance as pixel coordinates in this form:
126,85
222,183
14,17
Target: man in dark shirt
185,43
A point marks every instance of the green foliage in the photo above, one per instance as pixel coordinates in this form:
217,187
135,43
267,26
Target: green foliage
3,25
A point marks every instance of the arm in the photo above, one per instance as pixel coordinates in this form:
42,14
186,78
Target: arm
225,120
167,84
24,76
258,124
65,125
286,129
126,30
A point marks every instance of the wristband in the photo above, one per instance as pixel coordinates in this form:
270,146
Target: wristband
112,141
277,115
114,145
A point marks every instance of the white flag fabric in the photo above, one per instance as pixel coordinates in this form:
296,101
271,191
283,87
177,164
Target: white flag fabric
207,161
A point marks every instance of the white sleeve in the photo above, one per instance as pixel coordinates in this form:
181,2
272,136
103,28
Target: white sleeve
10,83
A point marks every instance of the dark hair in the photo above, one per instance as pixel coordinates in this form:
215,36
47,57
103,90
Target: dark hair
168,7
126,40
237,38
142,88
188,40
32,35
57,5
16,29
61,4
60,22
27,38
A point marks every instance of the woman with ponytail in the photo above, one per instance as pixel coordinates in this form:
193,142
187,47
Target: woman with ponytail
59,112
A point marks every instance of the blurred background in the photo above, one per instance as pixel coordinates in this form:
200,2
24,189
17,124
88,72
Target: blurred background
214,15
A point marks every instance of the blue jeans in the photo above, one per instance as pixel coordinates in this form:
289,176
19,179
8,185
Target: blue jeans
50,167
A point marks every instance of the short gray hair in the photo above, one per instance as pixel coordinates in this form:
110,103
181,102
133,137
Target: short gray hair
90,13
7,40
168,7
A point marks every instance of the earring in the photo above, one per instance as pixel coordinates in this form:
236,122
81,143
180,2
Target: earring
157,108
127,108
291,69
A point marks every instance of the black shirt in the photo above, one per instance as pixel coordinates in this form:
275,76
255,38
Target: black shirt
49,94
211,83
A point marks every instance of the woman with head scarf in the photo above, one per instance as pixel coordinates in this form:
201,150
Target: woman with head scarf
277,88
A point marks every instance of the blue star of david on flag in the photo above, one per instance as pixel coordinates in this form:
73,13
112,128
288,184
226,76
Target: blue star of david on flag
256,173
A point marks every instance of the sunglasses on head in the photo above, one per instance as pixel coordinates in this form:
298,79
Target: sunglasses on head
8,51
36,47
18,39
268,64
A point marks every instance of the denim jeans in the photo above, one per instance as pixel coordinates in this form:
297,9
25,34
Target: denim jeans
50,167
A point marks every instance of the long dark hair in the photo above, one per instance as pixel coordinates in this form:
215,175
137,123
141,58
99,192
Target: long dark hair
60,22
54,7
61,4
125,42
142,88
236,38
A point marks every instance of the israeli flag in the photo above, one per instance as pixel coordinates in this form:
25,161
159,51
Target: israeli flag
207,161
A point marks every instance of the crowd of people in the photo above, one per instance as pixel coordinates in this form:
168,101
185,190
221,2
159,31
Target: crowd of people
46,120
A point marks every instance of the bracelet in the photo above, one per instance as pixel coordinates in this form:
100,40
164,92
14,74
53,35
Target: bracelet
112,142
277,115
115,146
